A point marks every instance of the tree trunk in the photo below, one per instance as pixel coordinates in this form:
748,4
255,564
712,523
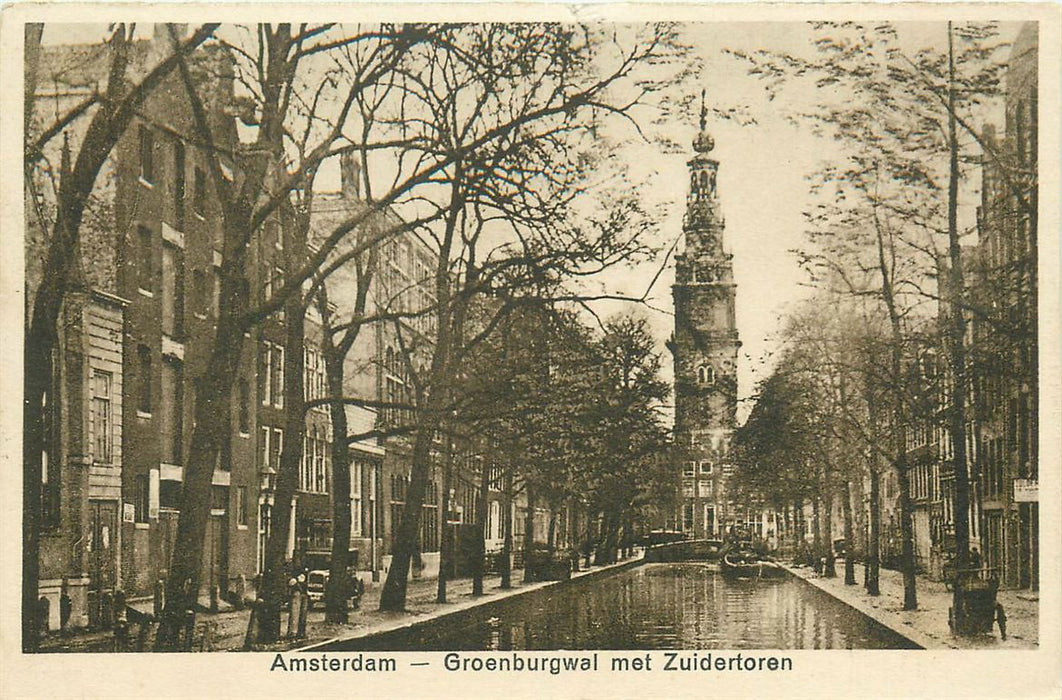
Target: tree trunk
898,450
481,529
529,535
449,322
275,576
212,424
507,545
36,378
956,347
816,531
610,543
898,411
393,597
446,545
830,570
338,591
874,536
910,597
551,538
849,536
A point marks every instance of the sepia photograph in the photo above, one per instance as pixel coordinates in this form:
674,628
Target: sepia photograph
716,339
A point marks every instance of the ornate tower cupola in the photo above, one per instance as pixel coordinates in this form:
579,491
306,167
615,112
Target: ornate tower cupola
702,167
704,223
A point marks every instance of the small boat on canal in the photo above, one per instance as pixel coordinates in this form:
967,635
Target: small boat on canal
745,563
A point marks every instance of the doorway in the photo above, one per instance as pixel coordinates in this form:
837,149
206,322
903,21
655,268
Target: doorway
103,561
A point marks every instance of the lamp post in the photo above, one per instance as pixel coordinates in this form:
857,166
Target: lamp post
267,481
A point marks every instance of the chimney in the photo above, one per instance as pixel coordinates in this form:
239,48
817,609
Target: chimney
350,175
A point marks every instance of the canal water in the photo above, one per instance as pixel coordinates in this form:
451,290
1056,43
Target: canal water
654,606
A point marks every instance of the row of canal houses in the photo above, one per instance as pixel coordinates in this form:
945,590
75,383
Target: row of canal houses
1002,374
136,332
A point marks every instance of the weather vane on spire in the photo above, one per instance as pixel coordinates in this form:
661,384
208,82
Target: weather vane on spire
703,143
704,110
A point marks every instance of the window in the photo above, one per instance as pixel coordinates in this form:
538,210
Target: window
306,465
199,192
143,404
178,184
102,422
265,357
147,155
244,399
172,291
169,494
689,468
276,376
356,472
171,407
219,500
494,524
320,478
278,285
276,447
142,497
706,374
314,376
263,447
145,258
241,506
706,466
687,516
429,527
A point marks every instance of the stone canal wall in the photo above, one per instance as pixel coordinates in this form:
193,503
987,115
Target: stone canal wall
928,625
477,605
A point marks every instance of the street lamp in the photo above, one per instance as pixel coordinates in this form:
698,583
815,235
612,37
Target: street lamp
267,480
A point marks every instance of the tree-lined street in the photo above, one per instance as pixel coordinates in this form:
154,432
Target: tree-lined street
404,317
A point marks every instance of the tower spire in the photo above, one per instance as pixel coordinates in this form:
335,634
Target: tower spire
704,110
703,142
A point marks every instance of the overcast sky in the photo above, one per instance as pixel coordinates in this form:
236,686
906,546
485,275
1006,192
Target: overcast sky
762,185
762,181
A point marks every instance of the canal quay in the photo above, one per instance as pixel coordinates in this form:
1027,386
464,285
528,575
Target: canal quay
630,605
683,605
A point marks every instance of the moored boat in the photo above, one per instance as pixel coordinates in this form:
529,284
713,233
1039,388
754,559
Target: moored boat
749,564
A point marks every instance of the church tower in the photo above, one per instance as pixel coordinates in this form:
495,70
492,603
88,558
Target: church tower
704,346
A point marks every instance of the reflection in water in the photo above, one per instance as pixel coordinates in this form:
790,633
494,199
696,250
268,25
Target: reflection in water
656,606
